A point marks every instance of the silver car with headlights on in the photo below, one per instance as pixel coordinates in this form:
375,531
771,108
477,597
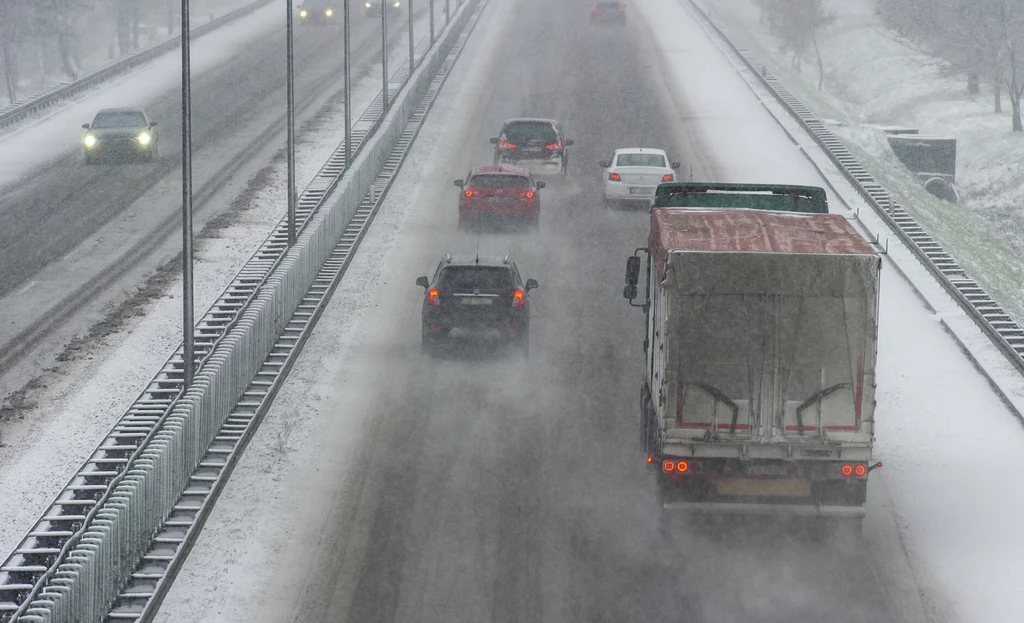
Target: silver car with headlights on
119,134
373,7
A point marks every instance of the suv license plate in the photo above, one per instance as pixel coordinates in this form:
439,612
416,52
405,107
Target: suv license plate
476,300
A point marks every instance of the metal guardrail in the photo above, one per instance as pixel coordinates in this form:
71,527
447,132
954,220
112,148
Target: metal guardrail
20,110
993,320
92,537
65,525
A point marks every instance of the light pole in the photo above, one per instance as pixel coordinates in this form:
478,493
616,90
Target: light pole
384,51
291,125
412,43
187,311
447,12
431,23
348,87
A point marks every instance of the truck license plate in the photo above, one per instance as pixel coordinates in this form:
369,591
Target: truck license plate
767,487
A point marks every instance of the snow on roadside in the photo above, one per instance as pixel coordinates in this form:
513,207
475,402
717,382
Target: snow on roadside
873,80
50,137
87,396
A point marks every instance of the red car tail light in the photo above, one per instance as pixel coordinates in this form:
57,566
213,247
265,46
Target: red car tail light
557,145
469,193
433,297
506,145
528,194
518,297
614,177
668,177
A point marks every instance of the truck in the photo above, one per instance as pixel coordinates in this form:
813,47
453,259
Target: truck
758,391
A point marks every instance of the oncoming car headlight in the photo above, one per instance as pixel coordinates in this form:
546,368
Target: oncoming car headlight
329,12
303,13
145,138
397,4
89,140
368,5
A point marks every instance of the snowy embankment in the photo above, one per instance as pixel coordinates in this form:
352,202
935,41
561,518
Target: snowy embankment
81,400
872,79
949,443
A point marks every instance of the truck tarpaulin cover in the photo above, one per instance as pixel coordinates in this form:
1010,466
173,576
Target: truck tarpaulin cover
770,313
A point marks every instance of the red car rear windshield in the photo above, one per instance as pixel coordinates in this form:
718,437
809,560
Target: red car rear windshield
499,181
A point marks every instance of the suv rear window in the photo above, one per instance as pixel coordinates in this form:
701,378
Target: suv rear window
483,278
499,181
524,131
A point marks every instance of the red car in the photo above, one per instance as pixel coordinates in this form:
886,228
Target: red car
499,193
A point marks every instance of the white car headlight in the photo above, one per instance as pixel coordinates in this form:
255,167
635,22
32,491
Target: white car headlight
303,13
368,5
89,140
145,138
329,12
397,4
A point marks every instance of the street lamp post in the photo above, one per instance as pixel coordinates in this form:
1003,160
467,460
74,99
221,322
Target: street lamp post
188,310
348,87
412,43
431,23
384,51
291,124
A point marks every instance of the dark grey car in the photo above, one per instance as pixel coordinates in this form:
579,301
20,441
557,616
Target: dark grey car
118,134
476,295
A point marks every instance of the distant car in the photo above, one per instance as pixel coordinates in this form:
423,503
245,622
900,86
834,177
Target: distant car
633,174
477,297
120,133
536,144
373,7
317,11
608,13
499,193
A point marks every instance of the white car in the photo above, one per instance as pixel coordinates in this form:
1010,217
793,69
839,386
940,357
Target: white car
633,174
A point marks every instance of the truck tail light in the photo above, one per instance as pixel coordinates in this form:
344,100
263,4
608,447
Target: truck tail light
669,467
859,470
433,297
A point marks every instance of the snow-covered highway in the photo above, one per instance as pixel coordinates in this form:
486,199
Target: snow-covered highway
385,485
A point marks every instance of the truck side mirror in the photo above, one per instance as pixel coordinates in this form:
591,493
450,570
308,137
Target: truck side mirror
531,284
423,282
459,183
629,292
494,141
633,272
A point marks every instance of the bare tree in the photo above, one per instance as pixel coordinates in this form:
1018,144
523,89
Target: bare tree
798,23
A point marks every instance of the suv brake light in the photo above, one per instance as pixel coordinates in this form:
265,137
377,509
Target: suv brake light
614,177
433,297
557,145
518,297
506,145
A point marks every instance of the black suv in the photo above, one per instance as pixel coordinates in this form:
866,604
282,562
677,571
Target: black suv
473,293
537,144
